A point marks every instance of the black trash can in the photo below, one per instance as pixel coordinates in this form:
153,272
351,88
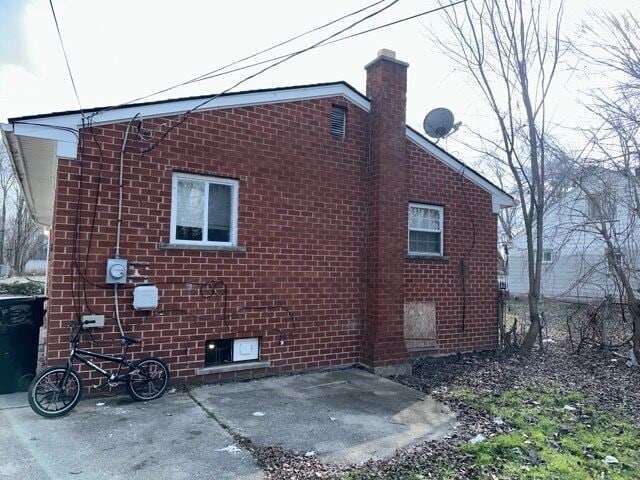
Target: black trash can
20,320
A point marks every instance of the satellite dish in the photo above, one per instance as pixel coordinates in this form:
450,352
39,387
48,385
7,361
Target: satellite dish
438,123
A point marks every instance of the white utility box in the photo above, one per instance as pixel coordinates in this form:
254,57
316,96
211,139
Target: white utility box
145,297
245,349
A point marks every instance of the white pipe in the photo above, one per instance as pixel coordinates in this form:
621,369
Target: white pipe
119,221
120,185
115,302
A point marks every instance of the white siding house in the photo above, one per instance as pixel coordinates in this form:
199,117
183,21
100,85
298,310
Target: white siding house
574,265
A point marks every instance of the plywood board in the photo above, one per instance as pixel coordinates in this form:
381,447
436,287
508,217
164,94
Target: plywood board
420,326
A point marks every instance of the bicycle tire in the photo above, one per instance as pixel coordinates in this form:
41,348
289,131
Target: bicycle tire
148,379
45,386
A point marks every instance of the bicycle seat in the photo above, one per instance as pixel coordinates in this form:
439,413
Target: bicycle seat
131,340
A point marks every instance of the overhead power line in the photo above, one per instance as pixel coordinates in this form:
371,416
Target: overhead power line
253,55
66,58
218,72
357,34
253,75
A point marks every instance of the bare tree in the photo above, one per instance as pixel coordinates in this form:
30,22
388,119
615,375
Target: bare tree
511,49
609,175
23,234
7,183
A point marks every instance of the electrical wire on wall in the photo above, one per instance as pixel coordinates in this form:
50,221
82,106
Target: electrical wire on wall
212,289
463,260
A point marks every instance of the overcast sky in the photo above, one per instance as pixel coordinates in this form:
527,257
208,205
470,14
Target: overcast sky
123,49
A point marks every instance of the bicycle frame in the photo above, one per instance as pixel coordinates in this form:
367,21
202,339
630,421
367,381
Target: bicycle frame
81,355
84,355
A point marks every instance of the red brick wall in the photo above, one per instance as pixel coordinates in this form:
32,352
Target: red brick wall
304,220
301,219
466,208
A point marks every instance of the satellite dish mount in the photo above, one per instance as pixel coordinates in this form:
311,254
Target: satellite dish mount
440,123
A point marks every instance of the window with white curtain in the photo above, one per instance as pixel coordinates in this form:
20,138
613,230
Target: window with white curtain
425,229
204,210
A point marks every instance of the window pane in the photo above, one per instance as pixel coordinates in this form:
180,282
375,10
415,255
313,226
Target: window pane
219,215
424,218
424,242
189,210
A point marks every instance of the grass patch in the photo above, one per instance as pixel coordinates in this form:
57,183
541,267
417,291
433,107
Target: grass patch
557,434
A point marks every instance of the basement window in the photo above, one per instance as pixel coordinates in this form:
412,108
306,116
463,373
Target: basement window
204,210
218,351
425,229
231,350
338,121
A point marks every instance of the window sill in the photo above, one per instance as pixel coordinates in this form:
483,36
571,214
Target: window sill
232,367
212,248
434,258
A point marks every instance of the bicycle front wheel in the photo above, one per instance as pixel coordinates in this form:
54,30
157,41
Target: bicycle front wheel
148,379
55,391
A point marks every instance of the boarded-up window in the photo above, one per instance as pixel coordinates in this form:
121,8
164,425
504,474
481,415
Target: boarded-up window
420,326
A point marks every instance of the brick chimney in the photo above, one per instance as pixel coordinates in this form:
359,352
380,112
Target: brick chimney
384,348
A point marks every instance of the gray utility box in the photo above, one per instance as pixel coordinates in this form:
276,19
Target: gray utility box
116,271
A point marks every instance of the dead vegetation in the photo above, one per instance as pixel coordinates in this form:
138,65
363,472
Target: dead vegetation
528,391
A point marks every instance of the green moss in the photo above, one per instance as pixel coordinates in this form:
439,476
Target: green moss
551,441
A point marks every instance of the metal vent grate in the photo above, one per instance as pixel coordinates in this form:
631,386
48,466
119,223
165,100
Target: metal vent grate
338,121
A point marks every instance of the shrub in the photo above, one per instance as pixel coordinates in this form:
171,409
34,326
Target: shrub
22,288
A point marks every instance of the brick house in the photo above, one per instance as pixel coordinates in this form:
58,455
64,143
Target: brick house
342,236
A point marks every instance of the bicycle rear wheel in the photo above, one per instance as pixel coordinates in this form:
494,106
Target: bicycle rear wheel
148,379
49,398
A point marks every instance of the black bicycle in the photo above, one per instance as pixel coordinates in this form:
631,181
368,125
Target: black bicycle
56,390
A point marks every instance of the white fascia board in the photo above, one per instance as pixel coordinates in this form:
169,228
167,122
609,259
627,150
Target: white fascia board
499,199
64,128
67,141
294,94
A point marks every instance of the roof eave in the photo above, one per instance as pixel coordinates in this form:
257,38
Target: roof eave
19,169
500,198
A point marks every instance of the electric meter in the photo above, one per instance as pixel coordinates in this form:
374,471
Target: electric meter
116,270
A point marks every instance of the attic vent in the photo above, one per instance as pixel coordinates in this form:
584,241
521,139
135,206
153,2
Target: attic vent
338,121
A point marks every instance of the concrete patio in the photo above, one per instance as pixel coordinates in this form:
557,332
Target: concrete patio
344,416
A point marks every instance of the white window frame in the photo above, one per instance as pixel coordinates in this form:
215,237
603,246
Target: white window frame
233,237
426,206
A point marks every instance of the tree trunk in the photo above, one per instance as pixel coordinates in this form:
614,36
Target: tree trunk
18,248
634,311
535,326
3,224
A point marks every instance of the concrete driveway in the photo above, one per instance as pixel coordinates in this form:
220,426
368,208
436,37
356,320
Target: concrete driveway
344,416
170,438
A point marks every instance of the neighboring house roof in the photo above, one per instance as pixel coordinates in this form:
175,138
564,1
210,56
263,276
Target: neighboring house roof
34,142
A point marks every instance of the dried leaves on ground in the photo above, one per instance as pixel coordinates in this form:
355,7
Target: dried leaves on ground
591,399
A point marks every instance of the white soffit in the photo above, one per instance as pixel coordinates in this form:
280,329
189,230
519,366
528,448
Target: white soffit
34,162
